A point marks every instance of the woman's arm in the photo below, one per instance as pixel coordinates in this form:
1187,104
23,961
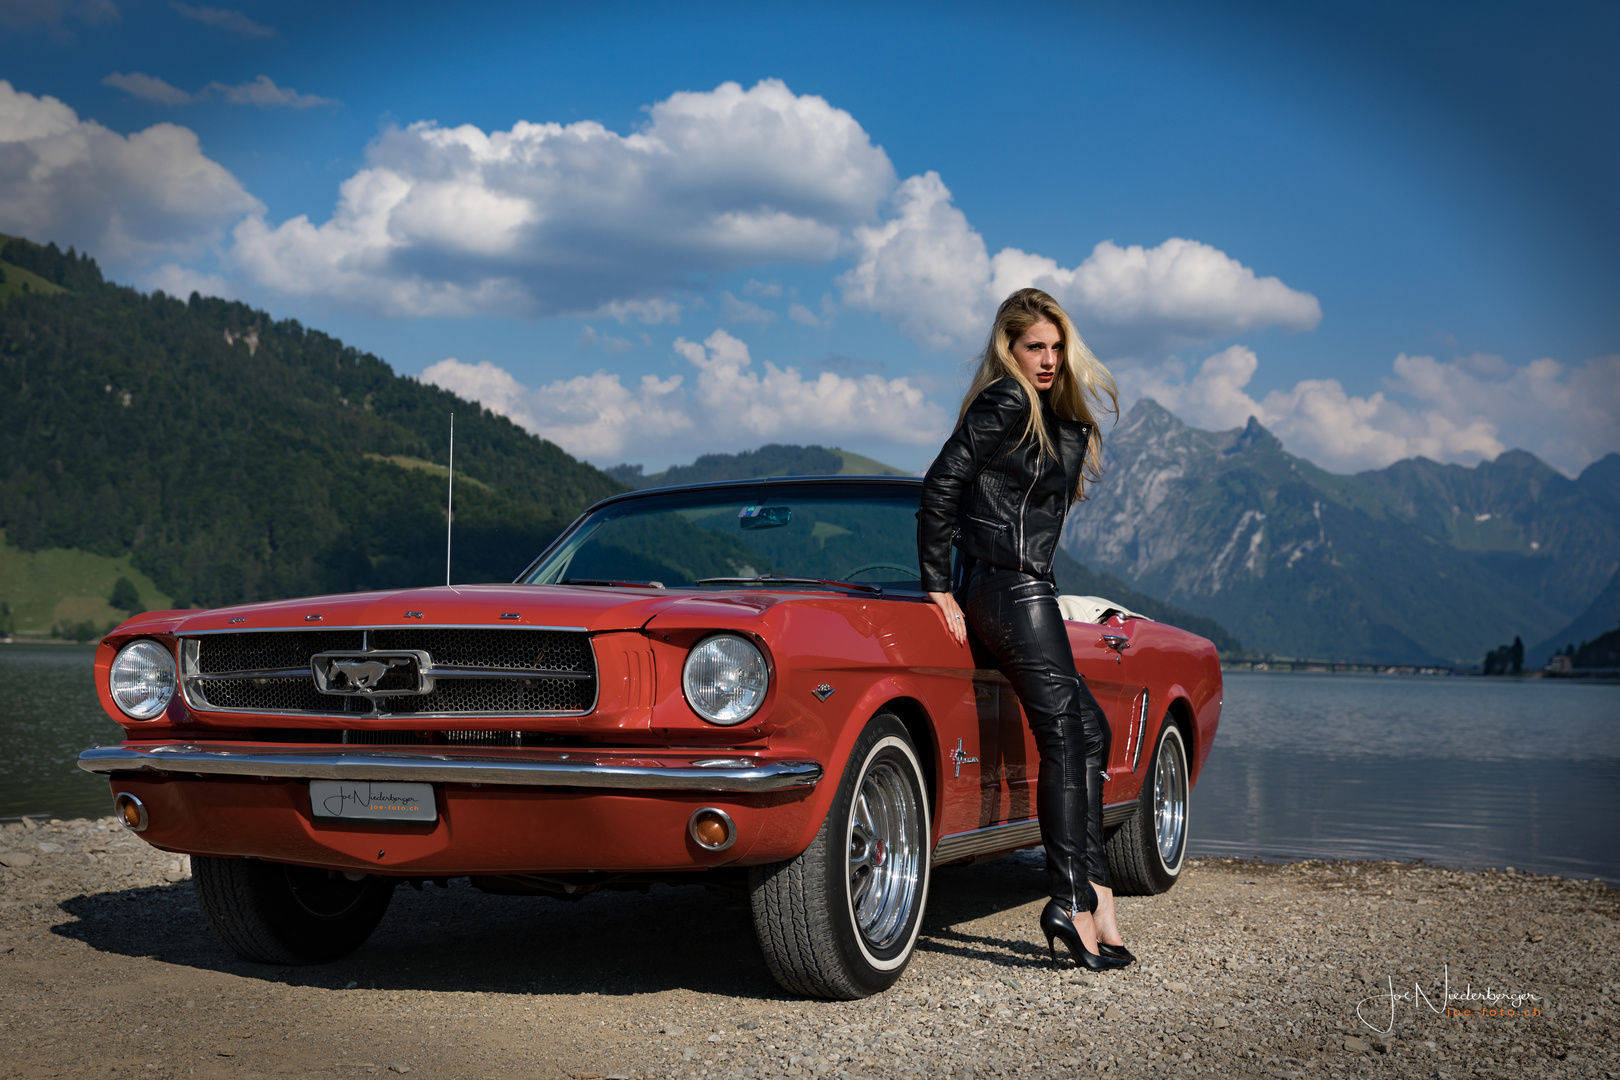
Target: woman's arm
998,410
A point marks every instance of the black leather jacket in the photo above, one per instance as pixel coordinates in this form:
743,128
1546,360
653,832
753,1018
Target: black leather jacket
994,495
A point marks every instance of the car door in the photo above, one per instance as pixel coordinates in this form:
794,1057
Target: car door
1102,653
1102,656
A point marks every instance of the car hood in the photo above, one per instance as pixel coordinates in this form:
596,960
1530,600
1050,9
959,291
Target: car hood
594,609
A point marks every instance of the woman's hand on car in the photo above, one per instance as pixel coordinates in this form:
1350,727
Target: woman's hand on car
955,623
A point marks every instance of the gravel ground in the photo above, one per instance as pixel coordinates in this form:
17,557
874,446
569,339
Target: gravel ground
1249,969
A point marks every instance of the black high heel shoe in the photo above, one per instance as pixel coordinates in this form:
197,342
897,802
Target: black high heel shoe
1117,952
1055,923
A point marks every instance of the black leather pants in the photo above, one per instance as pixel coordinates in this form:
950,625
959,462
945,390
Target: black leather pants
1016,617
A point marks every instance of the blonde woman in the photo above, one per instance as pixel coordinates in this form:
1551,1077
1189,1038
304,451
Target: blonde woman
1025,445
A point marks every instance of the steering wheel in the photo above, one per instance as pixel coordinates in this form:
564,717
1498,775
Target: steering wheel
909,571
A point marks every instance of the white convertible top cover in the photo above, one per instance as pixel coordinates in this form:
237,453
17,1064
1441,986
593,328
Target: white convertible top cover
1094,609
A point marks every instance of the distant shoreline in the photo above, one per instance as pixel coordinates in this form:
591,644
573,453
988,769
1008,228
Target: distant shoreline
1320,667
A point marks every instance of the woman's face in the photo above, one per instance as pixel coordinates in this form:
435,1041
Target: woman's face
1038,352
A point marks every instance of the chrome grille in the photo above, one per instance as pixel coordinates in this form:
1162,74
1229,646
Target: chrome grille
269,650
278,695
498,647
498,695
253,671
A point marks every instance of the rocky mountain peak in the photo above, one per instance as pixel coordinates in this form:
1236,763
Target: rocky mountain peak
1418,561
1251,436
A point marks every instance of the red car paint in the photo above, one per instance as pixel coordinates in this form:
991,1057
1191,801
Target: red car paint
875,653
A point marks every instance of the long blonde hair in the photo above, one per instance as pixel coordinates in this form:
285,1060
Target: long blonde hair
1079,382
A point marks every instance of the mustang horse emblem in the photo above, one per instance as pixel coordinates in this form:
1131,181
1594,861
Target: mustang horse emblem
354,674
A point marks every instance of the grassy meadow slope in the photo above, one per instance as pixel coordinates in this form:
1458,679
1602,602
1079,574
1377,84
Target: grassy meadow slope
230,457
57,589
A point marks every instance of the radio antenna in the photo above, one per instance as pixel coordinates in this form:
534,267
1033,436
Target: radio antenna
450,499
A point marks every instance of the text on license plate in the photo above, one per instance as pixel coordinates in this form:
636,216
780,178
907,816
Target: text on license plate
400,803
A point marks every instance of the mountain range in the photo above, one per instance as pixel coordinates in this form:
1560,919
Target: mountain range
1415,563
215,455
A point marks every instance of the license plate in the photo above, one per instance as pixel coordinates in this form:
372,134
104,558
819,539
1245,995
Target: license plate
373,800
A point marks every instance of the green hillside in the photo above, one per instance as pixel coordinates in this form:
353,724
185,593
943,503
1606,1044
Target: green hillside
1600,617
56,590
860,465
1519,518
229,457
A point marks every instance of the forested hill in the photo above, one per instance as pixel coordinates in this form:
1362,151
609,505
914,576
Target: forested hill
237,458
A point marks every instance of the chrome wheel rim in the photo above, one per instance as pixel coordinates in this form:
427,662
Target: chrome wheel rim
1170,801
885,856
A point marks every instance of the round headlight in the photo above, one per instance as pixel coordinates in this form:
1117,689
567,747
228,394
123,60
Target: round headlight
725,679
142,679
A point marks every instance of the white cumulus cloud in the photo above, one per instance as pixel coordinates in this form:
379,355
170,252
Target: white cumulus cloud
224,19
733,310
181,282
722,403
1465,410
147,88
549,218
126,198
264,93
928,270
261,91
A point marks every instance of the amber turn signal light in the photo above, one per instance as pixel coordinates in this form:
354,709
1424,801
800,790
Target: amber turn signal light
711,828
130,812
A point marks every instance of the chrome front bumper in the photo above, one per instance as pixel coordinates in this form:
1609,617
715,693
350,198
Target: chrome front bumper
596,770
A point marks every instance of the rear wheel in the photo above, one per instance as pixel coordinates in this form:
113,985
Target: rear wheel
841,920
1146,853
279,914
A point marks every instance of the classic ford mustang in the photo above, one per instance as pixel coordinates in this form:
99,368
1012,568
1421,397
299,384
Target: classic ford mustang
736,683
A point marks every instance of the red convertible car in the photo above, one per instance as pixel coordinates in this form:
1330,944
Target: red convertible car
736,683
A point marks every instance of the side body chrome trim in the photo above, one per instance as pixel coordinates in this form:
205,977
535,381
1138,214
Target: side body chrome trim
1010,836
1007,837
1118,814
437,767
1141,730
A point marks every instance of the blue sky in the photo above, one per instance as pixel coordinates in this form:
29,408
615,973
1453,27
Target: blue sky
1385,232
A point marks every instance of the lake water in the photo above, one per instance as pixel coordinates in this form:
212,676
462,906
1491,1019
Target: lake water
1467,772
1458,771
48,713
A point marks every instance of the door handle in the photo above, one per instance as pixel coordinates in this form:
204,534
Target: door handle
1119,643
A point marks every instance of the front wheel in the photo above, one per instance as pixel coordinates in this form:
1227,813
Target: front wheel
279,914
1146,853
841,920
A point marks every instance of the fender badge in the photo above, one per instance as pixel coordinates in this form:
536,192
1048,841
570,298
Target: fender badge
959,757
823,692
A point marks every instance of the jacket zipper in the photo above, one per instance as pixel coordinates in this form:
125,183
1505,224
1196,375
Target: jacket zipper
1040,463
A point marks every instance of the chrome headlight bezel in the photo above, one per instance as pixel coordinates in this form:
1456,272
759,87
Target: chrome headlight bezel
158,681
749,679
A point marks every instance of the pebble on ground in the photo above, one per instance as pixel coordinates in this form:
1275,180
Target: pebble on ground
1318,969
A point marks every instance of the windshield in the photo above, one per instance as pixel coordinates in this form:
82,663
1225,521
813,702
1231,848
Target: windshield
861,534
